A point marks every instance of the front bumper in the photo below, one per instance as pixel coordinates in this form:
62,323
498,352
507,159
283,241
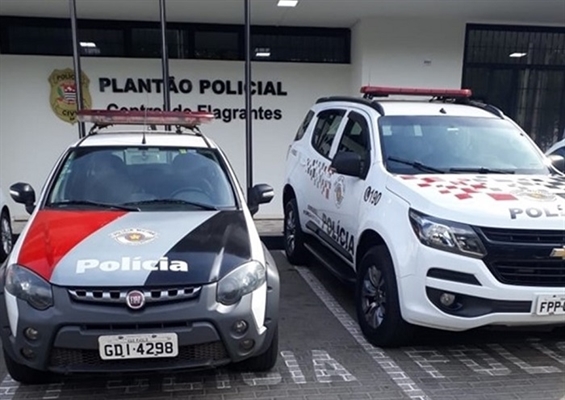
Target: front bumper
69,331
483,300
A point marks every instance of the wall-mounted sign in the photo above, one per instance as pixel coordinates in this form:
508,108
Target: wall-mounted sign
63,98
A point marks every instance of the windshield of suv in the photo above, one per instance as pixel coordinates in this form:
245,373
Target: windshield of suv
141,178
428,144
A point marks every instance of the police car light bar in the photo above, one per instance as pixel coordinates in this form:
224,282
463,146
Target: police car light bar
386,91
117,117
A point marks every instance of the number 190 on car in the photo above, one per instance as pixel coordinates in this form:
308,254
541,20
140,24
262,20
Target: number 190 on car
119,347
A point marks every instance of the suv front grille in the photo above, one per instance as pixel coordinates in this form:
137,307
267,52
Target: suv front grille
74,359
522,257
530,273
524,236
118,296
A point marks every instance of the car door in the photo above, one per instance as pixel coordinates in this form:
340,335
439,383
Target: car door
317,166
348,191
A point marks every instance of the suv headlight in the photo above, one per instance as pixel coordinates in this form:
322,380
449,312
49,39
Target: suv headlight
27,286
241,281
447,235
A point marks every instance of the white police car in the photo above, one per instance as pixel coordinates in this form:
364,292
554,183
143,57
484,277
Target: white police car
443,212
140,254
6,234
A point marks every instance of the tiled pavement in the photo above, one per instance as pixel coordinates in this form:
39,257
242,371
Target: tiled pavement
322,356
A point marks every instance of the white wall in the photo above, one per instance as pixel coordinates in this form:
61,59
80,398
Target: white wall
385,51
407,52
32,137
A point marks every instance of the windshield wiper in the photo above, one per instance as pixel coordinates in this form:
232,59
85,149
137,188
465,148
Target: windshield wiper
482,170
173,201
417,165
91,203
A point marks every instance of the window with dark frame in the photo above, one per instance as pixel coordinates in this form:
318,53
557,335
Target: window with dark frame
521,70
52,37
325,130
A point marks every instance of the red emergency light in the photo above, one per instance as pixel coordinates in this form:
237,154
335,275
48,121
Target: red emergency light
117,117
386,91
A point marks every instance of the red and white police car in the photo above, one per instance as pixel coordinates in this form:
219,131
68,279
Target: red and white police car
140,254
443,212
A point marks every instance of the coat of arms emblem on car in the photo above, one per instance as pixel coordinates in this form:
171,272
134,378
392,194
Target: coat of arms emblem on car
536,195
134,236
339,191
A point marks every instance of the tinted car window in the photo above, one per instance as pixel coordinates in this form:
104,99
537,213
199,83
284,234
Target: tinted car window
120,175
304,125
325,130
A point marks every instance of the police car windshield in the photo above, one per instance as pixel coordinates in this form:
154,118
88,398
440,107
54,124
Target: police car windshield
457,144
151,179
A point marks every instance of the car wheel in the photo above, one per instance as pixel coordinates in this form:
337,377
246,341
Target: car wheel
294,248
23,373
376,301
263,362
6,238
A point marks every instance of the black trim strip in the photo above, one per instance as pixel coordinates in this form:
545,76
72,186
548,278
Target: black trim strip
453,276
319,232
470,306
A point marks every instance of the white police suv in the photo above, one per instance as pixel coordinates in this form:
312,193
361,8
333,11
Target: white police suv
140,254
443,212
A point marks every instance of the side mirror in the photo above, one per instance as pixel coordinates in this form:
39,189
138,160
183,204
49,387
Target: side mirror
24,194
259,194
347,163
558,162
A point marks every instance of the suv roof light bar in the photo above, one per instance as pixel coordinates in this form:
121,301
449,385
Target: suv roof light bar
382,91
104,118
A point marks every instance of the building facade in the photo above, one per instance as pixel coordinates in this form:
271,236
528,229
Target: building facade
518,67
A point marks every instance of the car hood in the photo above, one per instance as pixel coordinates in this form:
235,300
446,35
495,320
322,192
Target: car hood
503,201
145,249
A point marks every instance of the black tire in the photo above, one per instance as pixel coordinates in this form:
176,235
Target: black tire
294,237
263,362
25,374
6,235
376,276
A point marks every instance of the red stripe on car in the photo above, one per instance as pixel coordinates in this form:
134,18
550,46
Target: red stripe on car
54,233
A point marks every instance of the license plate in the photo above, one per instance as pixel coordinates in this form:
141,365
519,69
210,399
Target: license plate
551,304
153,345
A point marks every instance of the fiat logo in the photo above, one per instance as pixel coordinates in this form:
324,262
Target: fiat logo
135,299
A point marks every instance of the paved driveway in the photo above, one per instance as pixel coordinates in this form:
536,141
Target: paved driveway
323,356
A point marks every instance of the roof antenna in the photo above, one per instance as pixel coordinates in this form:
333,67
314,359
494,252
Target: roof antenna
143,140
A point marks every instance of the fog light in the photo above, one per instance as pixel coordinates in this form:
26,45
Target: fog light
247,344
28,353
447,299
240,327
31,334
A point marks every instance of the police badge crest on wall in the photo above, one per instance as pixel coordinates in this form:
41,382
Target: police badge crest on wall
63,94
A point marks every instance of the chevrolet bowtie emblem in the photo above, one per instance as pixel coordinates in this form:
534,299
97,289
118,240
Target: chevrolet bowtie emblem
558,253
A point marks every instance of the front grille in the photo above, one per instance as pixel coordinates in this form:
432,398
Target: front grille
73,359
547,273
118,296
555,237
522,257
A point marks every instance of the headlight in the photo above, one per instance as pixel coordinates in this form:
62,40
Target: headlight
446,235
240,282
27,286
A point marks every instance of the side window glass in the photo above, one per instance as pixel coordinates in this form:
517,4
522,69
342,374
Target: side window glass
325,130
304,126
355,137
